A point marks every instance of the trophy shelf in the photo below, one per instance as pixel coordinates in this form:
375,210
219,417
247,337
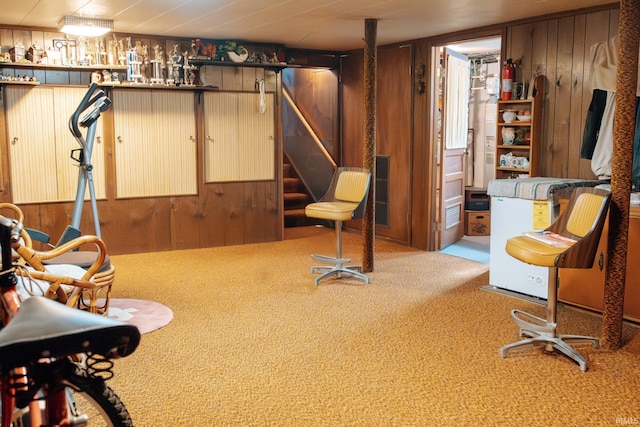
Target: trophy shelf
130,85
266,65
19,82
30,65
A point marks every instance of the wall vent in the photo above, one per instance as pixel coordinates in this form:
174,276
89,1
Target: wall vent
382,190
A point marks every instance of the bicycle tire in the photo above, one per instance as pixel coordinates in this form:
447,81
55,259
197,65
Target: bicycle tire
90,401
92,397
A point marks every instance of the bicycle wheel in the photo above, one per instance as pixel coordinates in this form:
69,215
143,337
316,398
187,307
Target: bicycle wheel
93,402
90,403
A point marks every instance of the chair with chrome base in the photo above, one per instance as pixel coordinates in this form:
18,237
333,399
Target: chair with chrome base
346,199
582,223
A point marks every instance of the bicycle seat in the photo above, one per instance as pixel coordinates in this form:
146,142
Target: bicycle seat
46,328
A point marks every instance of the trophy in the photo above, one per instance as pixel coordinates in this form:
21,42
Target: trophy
121,54
189,71
157,74
175,69
111,52
101,53
145,63
133,64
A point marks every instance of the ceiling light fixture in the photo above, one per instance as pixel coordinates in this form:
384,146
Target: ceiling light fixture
88,27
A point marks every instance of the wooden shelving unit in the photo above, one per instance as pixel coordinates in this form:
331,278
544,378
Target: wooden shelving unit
266,65
275,67
521,157
29,65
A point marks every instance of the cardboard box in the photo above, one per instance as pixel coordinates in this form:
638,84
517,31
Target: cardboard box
477,223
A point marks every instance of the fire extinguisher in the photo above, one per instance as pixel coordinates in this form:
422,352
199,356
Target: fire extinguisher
508,76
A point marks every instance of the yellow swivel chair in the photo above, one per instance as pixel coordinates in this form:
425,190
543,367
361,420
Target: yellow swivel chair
345,199
582,222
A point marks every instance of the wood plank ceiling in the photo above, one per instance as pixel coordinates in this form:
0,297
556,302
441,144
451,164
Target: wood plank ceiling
334,25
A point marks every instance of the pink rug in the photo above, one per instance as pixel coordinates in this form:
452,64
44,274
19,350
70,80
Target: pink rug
148,316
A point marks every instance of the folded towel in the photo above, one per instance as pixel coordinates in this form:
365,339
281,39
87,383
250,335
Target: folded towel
539,188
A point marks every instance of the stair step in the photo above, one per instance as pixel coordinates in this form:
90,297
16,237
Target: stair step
297,218
291,185
291,197
296,198
294,213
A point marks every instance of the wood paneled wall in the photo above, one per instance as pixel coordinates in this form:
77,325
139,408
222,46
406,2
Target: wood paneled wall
220,214
393,139
236,213
558,45
315,92
560,48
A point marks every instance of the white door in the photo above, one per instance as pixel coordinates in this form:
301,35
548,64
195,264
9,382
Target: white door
455,124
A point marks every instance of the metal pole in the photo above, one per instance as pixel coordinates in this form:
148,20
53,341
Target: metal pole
369,143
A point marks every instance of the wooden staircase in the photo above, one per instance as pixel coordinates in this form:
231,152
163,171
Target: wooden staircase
296,198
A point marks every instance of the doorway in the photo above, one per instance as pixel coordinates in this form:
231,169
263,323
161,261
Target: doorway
476,167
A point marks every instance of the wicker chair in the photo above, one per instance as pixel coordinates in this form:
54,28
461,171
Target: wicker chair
91,291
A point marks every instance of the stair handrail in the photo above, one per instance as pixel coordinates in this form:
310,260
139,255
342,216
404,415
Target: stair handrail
306,124
316,173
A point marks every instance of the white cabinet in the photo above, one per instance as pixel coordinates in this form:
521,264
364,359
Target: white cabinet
155,143
40,144
239,137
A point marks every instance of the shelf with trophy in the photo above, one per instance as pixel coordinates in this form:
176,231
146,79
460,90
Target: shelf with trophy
22,65
126,63
232,54
519,131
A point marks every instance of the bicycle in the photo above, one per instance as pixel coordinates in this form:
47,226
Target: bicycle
54,359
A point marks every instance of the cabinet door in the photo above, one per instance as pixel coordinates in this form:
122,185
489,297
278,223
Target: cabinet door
133,132
32,148
239,139
256,138
175,152
44,147
65,101
155,144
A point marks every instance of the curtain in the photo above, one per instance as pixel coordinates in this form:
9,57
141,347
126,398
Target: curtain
456,102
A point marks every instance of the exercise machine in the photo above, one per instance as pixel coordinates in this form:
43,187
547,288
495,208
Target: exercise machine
86,115
94,103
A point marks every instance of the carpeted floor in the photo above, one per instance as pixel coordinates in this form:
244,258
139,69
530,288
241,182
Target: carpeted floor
254,343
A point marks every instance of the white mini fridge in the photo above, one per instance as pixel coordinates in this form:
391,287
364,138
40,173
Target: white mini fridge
518,206
511,217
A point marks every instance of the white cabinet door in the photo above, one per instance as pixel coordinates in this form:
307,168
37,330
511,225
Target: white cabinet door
239,138
175,119
155,143
40,144
32,148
